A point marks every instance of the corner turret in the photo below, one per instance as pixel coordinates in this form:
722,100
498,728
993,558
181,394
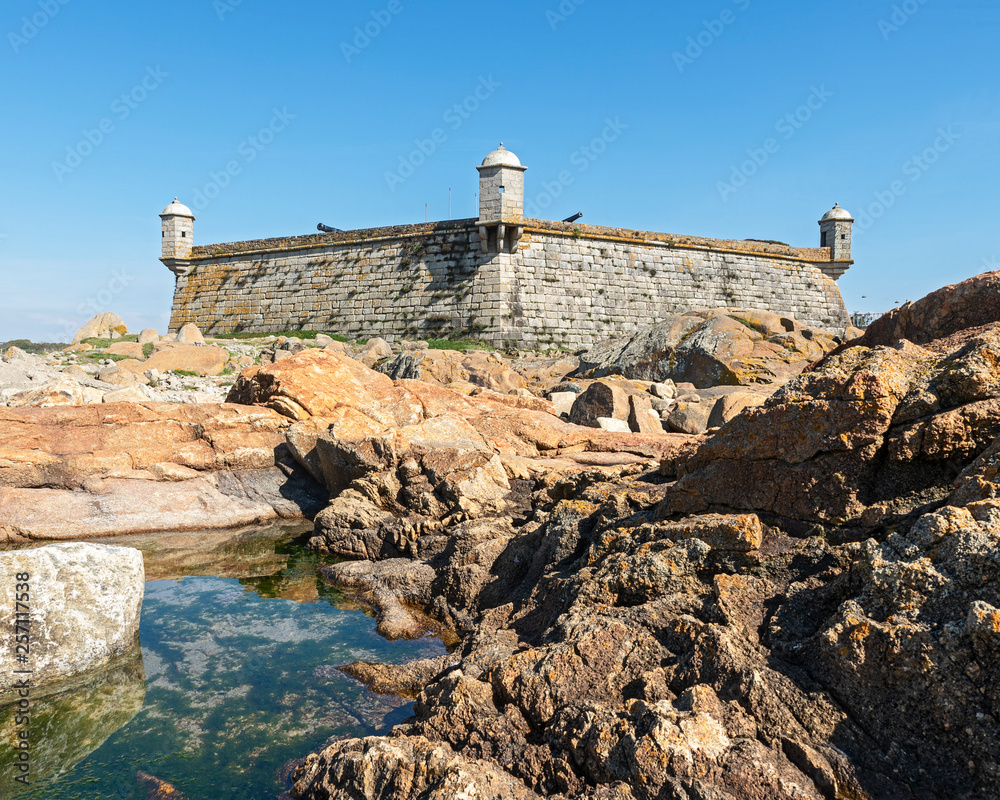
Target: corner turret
835,232
501,201
177,223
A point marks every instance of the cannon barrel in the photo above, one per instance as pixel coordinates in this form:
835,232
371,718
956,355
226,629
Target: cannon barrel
327,229
574,218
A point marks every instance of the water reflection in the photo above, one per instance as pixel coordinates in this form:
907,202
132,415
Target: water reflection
73,718
239,674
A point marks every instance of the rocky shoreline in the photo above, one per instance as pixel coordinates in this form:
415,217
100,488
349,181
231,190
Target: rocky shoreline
810,611
765,566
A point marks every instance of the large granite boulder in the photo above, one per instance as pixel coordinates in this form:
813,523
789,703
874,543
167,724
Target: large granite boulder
712,347
103,326
870,433
199,359
190,334
959,307
83,601
61,390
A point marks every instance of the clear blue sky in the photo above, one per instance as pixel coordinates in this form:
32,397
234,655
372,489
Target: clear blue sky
888,83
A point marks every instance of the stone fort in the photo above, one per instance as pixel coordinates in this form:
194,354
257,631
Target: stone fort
501,278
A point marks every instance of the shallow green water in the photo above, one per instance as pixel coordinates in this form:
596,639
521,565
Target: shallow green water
237,677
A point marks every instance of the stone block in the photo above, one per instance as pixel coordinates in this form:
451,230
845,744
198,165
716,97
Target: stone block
85,602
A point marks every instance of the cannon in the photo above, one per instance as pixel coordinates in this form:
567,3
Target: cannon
574,218
327,229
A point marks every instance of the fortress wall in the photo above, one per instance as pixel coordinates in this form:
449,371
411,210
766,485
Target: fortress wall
412,280
565,285
572,290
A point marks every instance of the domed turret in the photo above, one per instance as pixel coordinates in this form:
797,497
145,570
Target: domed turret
501,187
501,200
177,231
835,233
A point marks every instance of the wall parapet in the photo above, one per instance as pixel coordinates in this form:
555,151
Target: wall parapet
310,241
598,232
739,246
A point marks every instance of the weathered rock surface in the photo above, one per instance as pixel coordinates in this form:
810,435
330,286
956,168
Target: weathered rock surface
190,334
403,457
963,306
623,636
597,663
59,391
123,468
102,326
883,431
712,347
129,349
84,602
443,367
201,360
406,767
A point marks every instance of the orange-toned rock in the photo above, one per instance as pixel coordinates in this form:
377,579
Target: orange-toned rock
866,428
961,306
398,456
202,360
130,467
102,326
60,391
443,367
130,349
62,447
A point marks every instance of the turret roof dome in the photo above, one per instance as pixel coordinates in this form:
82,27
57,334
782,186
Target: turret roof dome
837,213
501,157
177,210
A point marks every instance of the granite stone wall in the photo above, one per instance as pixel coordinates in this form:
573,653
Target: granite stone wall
565,285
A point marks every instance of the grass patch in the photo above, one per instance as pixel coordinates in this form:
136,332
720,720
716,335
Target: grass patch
104,356
34,348
754,326
461,345
147,350
249,335
184,373
100,344
303,335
